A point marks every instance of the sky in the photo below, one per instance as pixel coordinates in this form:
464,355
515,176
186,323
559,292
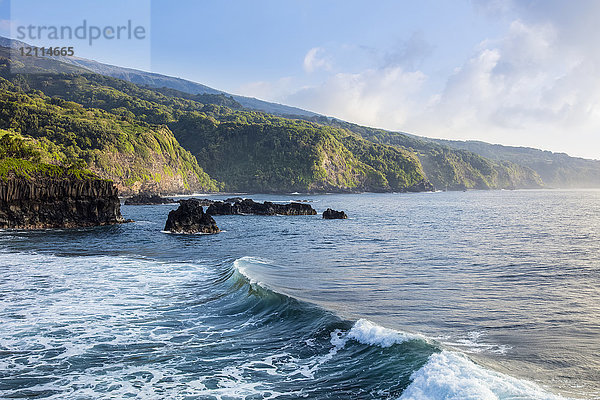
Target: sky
524,73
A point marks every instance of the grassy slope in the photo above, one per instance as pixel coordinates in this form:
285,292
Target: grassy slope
20,157
255,151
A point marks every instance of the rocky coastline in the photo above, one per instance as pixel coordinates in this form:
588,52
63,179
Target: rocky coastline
57,202
249,206
146,199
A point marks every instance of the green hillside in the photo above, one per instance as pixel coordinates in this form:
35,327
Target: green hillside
556,169
246,150
21,157
255,151
447,167
135,155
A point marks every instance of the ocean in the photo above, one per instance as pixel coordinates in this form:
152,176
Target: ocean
447,295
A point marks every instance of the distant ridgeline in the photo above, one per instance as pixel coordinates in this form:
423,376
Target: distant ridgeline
447,167
163,140
132,135
556,169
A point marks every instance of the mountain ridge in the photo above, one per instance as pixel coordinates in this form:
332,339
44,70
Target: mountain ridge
87,117
157,80
447,165
557,169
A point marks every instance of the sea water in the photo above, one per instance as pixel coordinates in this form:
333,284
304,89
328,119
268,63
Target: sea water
454,295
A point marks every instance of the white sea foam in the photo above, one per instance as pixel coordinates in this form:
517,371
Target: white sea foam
474,342
367,332
452,376
118,301
338,341
185,233
58,310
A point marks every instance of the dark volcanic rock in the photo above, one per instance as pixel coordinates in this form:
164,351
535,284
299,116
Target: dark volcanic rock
249,206
144,199
190,218
423,186
333,214
233,200
203,202
221,208
47,202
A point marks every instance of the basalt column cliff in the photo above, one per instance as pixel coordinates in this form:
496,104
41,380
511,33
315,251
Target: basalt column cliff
65,202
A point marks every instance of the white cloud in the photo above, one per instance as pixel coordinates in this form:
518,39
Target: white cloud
380,97
267,90
529,88
537,85
315,60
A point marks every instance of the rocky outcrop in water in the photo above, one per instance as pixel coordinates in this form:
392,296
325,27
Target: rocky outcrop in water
333,214
422,186
190,218
145,199
47,202
248,206
203,202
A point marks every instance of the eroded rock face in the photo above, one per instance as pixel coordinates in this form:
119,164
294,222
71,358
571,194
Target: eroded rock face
190,218
46,202
423,186
143,199
333,214
249,206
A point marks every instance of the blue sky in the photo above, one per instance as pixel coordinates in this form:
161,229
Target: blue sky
237,42
511,72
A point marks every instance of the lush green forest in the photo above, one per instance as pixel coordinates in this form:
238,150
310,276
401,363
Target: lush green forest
450,168
153,138
136,155
246,150
256,151
21,157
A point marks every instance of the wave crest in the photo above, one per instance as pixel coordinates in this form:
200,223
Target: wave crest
367,332
452,376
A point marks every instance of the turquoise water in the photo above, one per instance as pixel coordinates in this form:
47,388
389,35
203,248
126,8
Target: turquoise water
457,295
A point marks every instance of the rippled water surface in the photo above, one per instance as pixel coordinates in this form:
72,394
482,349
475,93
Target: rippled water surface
458,295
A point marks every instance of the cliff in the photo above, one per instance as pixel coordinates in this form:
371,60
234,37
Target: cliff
253,152
447,167
57,202
165,141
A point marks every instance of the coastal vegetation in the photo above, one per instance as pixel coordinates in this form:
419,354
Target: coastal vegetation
19,157
256,151
132,153
245,150
164,140
447,167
